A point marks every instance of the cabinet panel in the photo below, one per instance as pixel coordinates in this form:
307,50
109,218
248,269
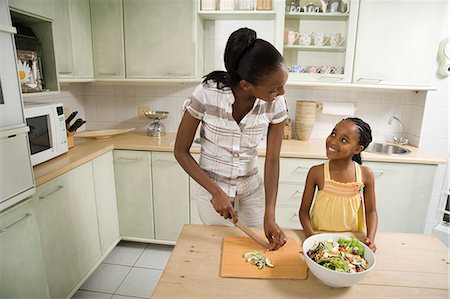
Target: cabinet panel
105,198
22,269
67,220
403,195
63,38
132,171
157,44
194,218
170,195
397,41
107,38
42,8
295,170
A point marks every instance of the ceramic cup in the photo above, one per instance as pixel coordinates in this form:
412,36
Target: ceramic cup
336,39
313,69
327,69
305,39
319,38
226,5
334,6
296,68
291,37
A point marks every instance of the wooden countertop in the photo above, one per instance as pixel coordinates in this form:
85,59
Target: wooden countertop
87,149
408,266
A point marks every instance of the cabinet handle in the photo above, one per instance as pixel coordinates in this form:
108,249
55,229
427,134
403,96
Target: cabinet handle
131,160
369,80
301,168
113,74
59,187
65,73
3,230
378,173
446,212
295,193
170,163
294,215
331,79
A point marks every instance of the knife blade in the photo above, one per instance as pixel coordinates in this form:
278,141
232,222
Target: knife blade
71,116
249,232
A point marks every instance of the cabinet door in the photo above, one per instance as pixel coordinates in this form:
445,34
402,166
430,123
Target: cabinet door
159,38
22,269
170,196
41,8
133,177
194,218
403,195
67,220
62,38
397,41
107,38
105,198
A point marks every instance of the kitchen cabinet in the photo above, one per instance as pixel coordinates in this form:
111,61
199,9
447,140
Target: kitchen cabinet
160,39
67,219
73,42
106,202
41,8
133,176
194,218
325,62
397,42
108,38
22,268
403,194
170,196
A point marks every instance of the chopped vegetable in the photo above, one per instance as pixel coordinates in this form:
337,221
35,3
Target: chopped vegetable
255,258
345,255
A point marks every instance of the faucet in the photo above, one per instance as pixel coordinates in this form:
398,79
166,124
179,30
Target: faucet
398,140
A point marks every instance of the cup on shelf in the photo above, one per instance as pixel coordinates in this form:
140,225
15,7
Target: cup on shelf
296,68
291,37
336,39
305,39
246,4
208,4
334,6
312,69
226,5
319,38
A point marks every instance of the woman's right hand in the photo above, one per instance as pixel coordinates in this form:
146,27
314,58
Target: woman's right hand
222,204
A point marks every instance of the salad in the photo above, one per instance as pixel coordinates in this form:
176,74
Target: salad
345,255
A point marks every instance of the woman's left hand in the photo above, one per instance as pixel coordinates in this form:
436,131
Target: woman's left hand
275,235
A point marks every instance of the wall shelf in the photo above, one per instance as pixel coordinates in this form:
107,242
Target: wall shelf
237,14
316,16
314,48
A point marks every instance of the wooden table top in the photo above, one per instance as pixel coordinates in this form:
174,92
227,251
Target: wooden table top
408,266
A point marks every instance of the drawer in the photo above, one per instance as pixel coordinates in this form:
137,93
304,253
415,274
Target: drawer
290,194
295,170
287,217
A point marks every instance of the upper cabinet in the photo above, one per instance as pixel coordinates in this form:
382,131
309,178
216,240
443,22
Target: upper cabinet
40,8
73,42
397,42
160,39
108,38
319,40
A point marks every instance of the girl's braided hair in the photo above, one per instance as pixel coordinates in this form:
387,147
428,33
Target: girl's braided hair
365,135
246,58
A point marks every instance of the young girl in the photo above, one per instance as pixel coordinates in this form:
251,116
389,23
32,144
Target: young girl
338,205
235,109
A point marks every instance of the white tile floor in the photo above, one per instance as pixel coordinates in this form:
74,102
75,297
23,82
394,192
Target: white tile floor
131,270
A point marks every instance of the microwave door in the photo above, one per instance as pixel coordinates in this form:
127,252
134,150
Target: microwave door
16,173
40,137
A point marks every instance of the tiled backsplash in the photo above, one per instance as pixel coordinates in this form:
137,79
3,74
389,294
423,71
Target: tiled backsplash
116,106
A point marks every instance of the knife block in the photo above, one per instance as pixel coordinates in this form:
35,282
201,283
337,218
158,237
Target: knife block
70,139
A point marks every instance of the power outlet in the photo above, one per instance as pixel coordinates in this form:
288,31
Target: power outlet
141,110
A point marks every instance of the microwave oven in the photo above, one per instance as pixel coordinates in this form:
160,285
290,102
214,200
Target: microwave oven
47,136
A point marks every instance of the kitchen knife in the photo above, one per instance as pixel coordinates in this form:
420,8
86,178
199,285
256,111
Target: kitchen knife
249,232
71,116
78,123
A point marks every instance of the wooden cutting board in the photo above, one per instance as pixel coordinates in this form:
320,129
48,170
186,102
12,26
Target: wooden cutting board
288,260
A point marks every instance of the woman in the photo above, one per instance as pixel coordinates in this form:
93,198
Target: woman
236,109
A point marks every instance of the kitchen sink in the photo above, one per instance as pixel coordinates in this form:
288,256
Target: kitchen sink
387,149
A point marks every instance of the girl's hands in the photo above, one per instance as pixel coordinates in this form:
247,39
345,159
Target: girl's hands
275,235
370,244
222,204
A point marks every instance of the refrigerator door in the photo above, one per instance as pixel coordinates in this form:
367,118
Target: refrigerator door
16,172
11,115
